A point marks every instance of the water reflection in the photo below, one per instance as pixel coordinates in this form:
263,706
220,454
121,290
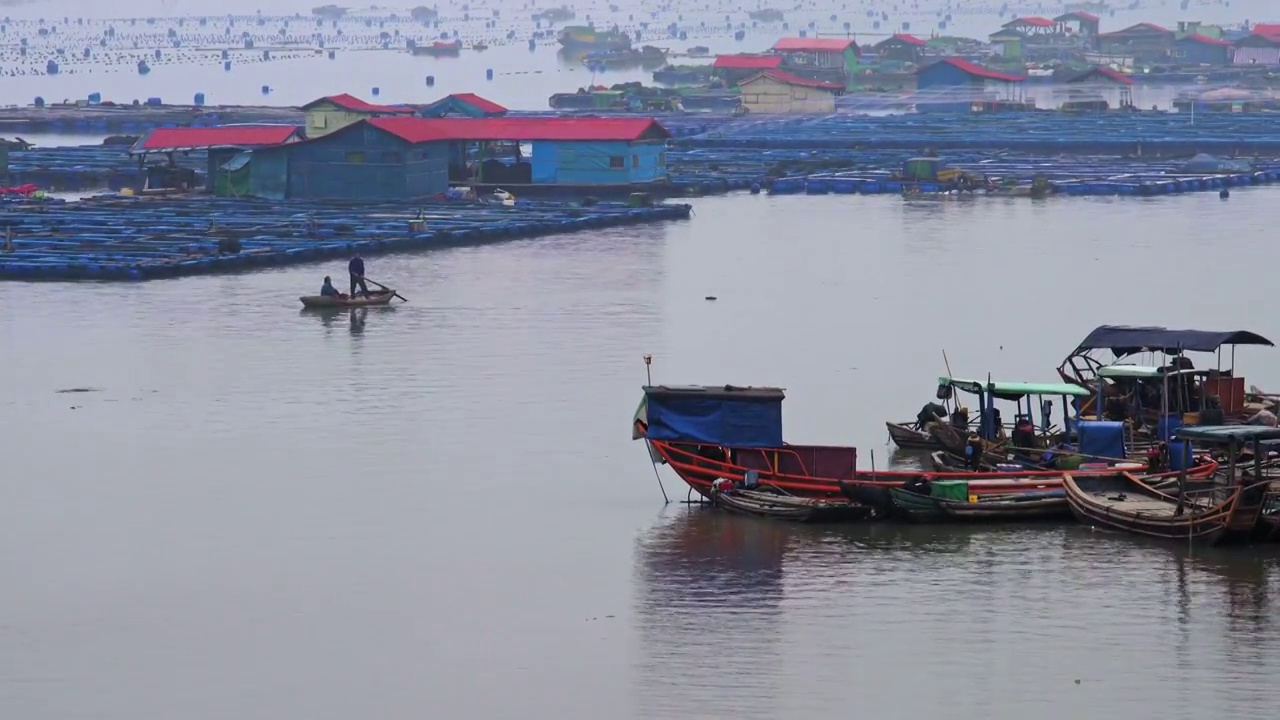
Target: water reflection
709,594
355,317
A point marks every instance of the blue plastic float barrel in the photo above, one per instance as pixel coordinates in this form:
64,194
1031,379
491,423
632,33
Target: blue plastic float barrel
198,100
488,74
376,91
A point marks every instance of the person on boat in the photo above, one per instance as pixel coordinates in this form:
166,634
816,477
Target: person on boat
1212,413
328,290
930,413
1263,417
1024,435
356,268
960,419
973,452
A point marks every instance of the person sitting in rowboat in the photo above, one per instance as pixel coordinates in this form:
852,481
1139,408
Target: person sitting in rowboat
328,290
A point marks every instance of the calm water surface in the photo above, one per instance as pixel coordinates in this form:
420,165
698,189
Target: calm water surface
435,510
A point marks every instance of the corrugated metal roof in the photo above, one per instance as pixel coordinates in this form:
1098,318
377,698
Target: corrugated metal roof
416,130
909,39
482,104
747,62
974,70
1197,37
814,44
355,104
1140,27
1104,72
1089,17
1032,21
783,76
183,138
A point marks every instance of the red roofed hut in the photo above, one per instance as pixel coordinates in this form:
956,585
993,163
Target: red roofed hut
732,68
955,84
900,47
830,59
228,147
334,112
1143,42
778,91
405,157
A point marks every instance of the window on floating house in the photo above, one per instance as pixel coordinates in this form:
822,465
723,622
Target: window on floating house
318,120
617,161
355,158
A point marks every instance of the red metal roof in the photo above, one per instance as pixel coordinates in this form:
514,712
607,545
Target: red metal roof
1150,27
1106,73
813,44
480,103
783,76
974,70
416,130
1266,29
1197,37
352,103
1078,15
1033,21
909,39
747,62
179,138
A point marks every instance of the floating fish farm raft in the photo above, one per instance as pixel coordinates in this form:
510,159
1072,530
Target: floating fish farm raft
112,119
117,238
1117,153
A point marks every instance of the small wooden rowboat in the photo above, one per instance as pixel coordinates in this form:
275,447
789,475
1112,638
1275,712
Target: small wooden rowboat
375,297
779,506
1035,504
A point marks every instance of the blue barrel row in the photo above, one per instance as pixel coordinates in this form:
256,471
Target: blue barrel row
109,263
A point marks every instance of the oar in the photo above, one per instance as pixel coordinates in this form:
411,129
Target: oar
384,287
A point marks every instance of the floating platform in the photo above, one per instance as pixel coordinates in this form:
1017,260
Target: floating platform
136,119
119,238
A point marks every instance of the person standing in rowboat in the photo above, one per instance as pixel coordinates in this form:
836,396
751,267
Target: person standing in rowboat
356,268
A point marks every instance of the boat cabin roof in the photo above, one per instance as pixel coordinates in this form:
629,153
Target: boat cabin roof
1144,371
716,392
1015,390
1225,433
1127,340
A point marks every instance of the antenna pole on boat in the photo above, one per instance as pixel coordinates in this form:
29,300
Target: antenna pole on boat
648,375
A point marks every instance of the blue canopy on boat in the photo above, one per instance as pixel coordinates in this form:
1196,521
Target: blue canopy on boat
727,415
1126,340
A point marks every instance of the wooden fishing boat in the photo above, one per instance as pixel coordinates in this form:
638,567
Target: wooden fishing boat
375,297
1174,389
1041,502
779,506
706,434
1120,501
909,436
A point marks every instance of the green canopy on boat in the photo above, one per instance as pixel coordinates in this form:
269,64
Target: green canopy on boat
1225,433
1015,390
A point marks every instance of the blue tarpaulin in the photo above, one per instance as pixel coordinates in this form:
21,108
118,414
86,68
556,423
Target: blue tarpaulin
746,417
1100,439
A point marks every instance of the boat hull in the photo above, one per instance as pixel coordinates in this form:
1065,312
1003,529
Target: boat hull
1034,504
375,298
1125,503
783,507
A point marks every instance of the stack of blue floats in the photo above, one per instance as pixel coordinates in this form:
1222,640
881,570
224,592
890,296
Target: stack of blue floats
115,238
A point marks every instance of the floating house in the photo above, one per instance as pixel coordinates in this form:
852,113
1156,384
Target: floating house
1032,26
1007,44
778,91
1080,24
224,144
1094,88
1144,42
1198,49
733,68
830,59
958,85
900,47
402,157
1257,49
462,104
544,151
335,112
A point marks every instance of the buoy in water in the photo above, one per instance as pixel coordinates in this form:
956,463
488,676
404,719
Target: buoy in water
711,297
755,188
488,74
431,81
376,91
1224,193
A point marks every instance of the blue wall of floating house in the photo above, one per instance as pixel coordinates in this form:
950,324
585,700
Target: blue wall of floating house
359,162
579,162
